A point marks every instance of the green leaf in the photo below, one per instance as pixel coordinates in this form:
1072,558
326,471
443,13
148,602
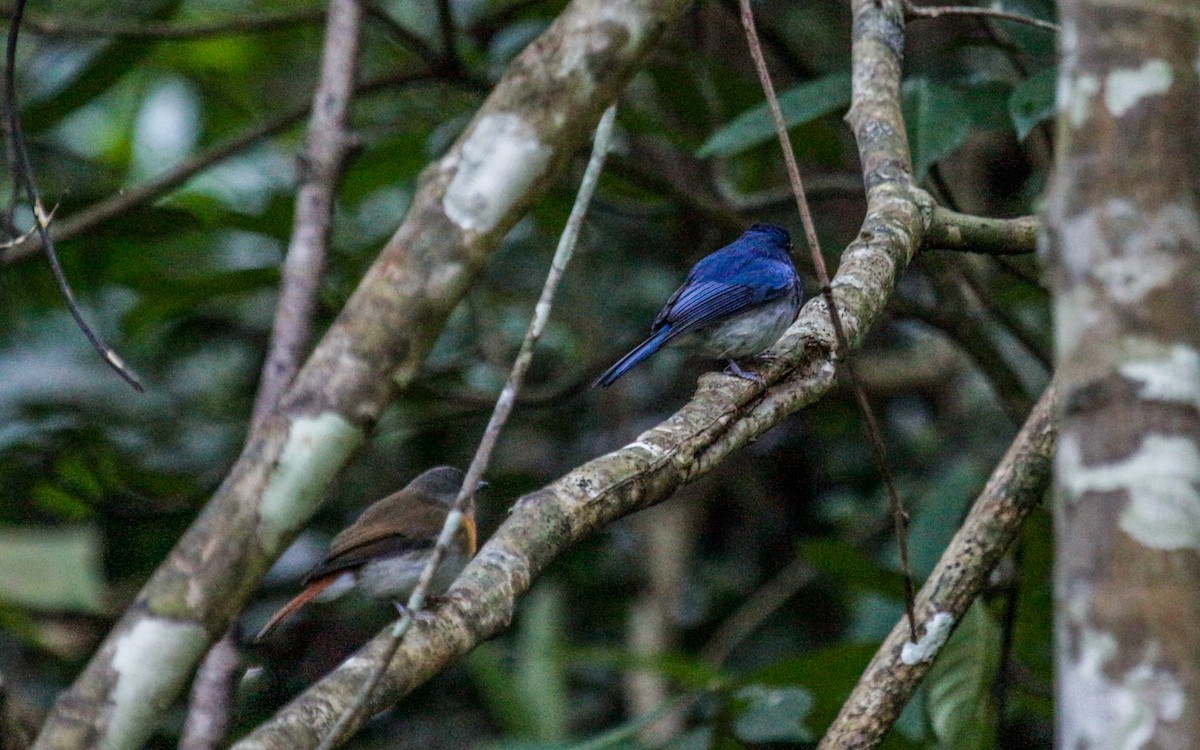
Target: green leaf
827,675
800,105
1032,101
958,689
1037,44
987,101
773,714
852,567
529,698
168,298
938,122
98,76
52,568
540,679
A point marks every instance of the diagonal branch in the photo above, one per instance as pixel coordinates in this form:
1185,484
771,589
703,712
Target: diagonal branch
1015,488
325,153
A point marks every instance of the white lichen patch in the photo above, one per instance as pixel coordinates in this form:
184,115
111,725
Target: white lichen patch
1174,377
656,452
499,162
581,40
937,630
316,449
1125,87
1161,479
1075,97
152,661
1075,313
1138,250
1118,711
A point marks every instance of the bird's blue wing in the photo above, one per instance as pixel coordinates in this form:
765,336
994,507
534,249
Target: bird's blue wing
736,288
698,304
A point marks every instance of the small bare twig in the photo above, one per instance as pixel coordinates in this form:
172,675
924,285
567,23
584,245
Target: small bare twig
147,192
52,26
9,244
936,11
73,27
755,610
504,405
951,230
212,695
448,32
325,153
23,174
874,434
1011,323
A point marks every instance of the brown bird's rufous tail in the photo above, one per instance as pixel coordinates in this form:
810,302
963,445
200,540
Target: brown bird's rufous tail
310,592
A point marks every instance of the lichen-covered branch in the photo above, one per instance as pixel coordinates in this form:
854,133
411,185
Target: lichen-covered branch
544,107
951,230
1015,487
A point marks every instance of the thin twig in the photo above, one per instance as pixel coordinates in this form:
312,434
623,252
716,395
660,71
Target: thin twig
756,609
504,405
1011,323
448,32
24,174
874,435
212,695
916,11
147,192
174,31
325,152
152,30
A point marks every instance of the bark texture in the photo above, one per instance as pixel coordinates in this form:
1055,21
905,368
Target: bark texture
1123,233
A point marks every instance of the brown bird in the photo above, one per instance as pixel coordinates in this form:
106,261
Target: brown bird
384,551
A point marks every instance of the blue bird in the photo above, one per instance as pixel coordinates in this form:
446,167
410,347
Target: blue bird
735,303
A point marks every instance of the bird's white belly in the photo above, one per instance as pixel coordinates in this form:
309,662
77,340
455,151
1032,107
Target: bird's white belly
395,577
749,333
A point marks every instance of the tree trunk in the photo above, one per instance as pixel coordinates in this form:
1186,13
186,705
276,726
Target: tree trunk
1123,235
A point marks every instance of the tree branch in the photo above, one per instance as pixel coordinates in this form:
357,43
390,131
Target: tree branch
325,154
212,696
917,11
52,26
951,230
1015,488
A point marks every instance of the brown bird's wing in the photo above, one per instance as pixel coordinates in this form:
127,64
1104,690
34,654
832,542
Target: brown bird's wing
387,546
392,526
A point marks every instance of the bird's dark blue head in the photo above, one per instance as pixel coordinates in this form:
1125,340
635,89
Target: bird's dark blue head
778,235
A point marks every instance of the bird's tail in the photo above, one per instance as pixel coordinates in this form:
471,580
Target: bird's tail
640,352
310,592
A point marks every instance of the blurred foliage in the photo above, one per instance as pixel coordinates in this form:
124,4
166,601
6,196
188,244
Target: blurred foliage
100,481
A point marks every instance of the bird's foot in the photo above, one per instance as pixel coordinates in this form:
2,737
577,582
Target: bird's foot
736,370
